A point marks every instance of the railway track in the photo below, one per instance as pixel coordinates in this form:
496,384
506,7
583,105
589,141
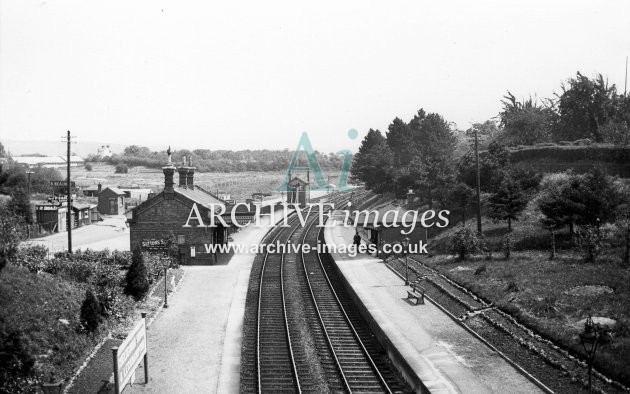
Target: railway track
316,341
352,345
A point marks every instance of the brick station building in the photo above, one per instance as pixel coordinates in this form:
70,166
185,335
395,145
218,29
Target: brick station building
161,218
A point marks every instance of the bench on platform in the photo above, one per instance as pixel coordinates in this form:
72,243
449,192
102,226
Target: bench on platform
417,293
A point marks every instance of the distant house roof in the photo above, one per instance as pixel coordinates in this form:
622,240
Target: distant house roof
79,206
91,188
46,160
35,160
115,190
297,182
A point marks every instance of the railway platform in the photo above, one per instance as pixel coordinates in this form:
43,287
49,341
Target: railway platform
442,354
194,346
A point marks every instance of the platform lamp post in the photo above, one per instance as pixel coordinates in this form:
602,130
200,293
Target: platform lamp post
165,286
52,386
589,338
405,244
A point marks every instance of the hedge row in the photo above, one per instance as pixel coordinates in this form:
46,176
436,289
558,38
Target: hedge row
599,153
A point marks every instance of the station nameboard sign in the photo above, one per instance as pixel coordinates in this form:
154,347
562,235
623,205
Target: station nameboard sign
129,355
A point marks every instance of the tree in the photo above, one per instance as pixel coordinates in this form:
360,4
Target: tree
373,163
555,206
623,228
585,106
507,202
90,312
465,242
527,178
487,132
525,122
41,177
12,232
463,196
593,198
400,141
137,283
88,167
21,206
121,168
493,164
433,146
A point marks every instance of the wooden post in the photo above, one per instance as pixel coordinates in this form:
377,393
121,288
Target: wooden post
165,287
116,382
146,352
69,213
478,184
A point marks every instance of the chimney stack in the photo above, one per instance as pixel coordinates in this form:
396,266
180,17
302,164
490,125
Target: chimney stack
183,171
100,187
169,171
191,174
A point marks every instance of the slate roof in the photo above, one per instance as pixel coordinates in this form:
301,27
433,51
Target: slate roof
79,206
297,182
116,190
199,195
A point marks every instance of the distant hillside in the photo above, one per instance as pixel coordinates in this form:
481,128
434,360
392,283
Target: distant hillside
555,158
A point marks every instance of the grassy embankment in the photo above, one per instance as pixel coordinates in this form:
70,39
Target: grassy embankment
40,323
551,297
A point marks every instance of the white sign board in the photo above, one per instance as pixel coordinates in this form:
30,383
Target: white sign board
130,354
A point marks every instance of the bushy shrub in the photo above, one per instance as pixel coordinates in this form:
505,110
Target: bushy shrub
120,259
137,283
589,240
11,234
155,264
88,167
16,362
90,312
32,257
465,242
121,168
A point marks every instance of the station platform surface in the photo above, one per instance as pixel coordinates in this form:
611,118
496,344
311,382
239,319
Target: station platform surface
194,345
446,357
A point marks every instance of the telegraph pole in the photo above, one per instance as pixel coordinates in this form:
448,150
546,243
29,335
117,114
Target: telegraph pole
625,83
478,183
69,195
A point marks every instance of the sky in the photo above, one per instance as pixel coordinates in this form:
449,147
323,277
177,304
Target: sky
255,75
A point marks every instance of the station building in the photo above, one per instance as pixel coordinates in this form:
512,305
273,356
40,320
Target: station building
161,219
